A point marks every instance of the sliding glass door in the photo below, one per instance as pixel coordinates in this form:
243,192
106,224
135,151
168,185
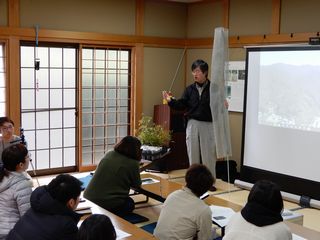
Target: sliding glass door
105,93
48,105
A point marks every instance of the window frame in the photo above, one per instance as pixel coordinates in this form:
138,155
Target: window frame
49,45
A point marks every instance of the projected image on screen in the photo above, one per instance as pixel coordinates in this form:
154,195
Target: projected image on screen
289,94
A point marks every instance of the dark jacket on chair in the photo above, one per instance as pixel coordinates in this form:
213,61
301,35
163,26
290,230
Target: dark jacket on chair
46,219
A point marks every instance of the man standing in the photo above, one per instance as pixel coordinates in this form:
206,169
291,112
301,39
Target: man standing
195,101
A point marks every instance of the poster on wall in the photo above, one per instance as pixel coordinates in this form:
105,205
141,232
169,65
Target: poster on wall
235,85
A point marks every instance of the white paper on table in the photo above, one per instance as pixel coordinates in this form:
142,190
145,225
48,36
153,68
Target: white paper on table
83,208
288,214
121,234
221,215
204,196
149,181
297,237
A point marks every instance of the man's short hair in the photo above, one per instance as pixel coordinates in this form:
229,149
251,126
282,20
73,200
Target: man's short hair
64,187
199,179
3,120
202,65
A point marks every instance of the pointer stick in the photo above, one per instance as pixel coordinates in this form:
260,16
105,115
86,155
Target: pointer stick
175,75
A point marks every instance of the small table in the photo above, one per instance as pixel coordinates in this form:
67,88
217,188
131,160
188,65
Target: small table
159,190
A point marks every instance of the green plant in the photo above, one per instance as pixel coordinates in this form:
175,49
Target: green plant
151,134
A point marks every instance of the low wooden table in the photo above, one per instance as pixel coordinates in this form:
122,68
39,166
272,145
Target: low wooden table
119,223
164,187
160,190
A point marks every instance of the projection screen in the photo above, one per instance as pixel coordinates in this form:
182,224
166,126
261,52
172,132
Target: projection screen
281,127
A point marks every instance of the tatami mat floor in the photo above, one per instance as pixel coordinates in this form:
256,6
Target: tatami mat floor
226,191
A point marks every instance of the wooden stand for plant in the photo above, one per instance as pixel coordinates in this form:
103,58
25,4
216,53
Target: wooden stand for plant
173,121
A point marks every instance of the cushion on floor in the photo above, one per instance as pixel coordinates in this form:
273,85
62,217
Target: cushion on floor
135,218
85,180
150,227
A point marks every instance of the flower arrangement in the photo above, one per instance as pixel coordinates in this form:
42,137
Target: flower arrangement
151,134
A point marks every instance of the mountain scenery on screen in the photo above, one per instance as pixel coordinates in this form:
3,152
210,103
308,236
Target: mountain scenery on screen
290,97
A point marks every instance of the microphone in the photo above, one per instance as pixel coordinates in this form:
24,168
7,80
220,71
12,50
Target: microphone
22,138
23,141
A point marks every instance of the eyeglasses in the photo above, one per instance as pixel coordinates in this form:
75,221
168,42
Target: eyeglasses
6,128
196,71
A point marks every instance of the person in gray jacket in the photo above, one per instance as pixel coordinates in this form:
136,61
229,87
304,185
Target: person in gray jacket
15,187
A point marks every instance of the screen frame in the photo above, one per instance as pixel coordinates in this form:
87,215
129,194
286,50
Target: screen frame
287,183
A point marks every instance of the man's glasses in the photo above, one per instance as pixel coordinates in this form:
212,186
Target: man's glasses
196,71
6,128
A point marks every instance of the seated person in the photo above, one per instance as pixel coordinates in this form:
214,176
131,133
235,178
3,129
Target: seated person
15,187
116,173
97,227
51,215
8,138
261,217
184,215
